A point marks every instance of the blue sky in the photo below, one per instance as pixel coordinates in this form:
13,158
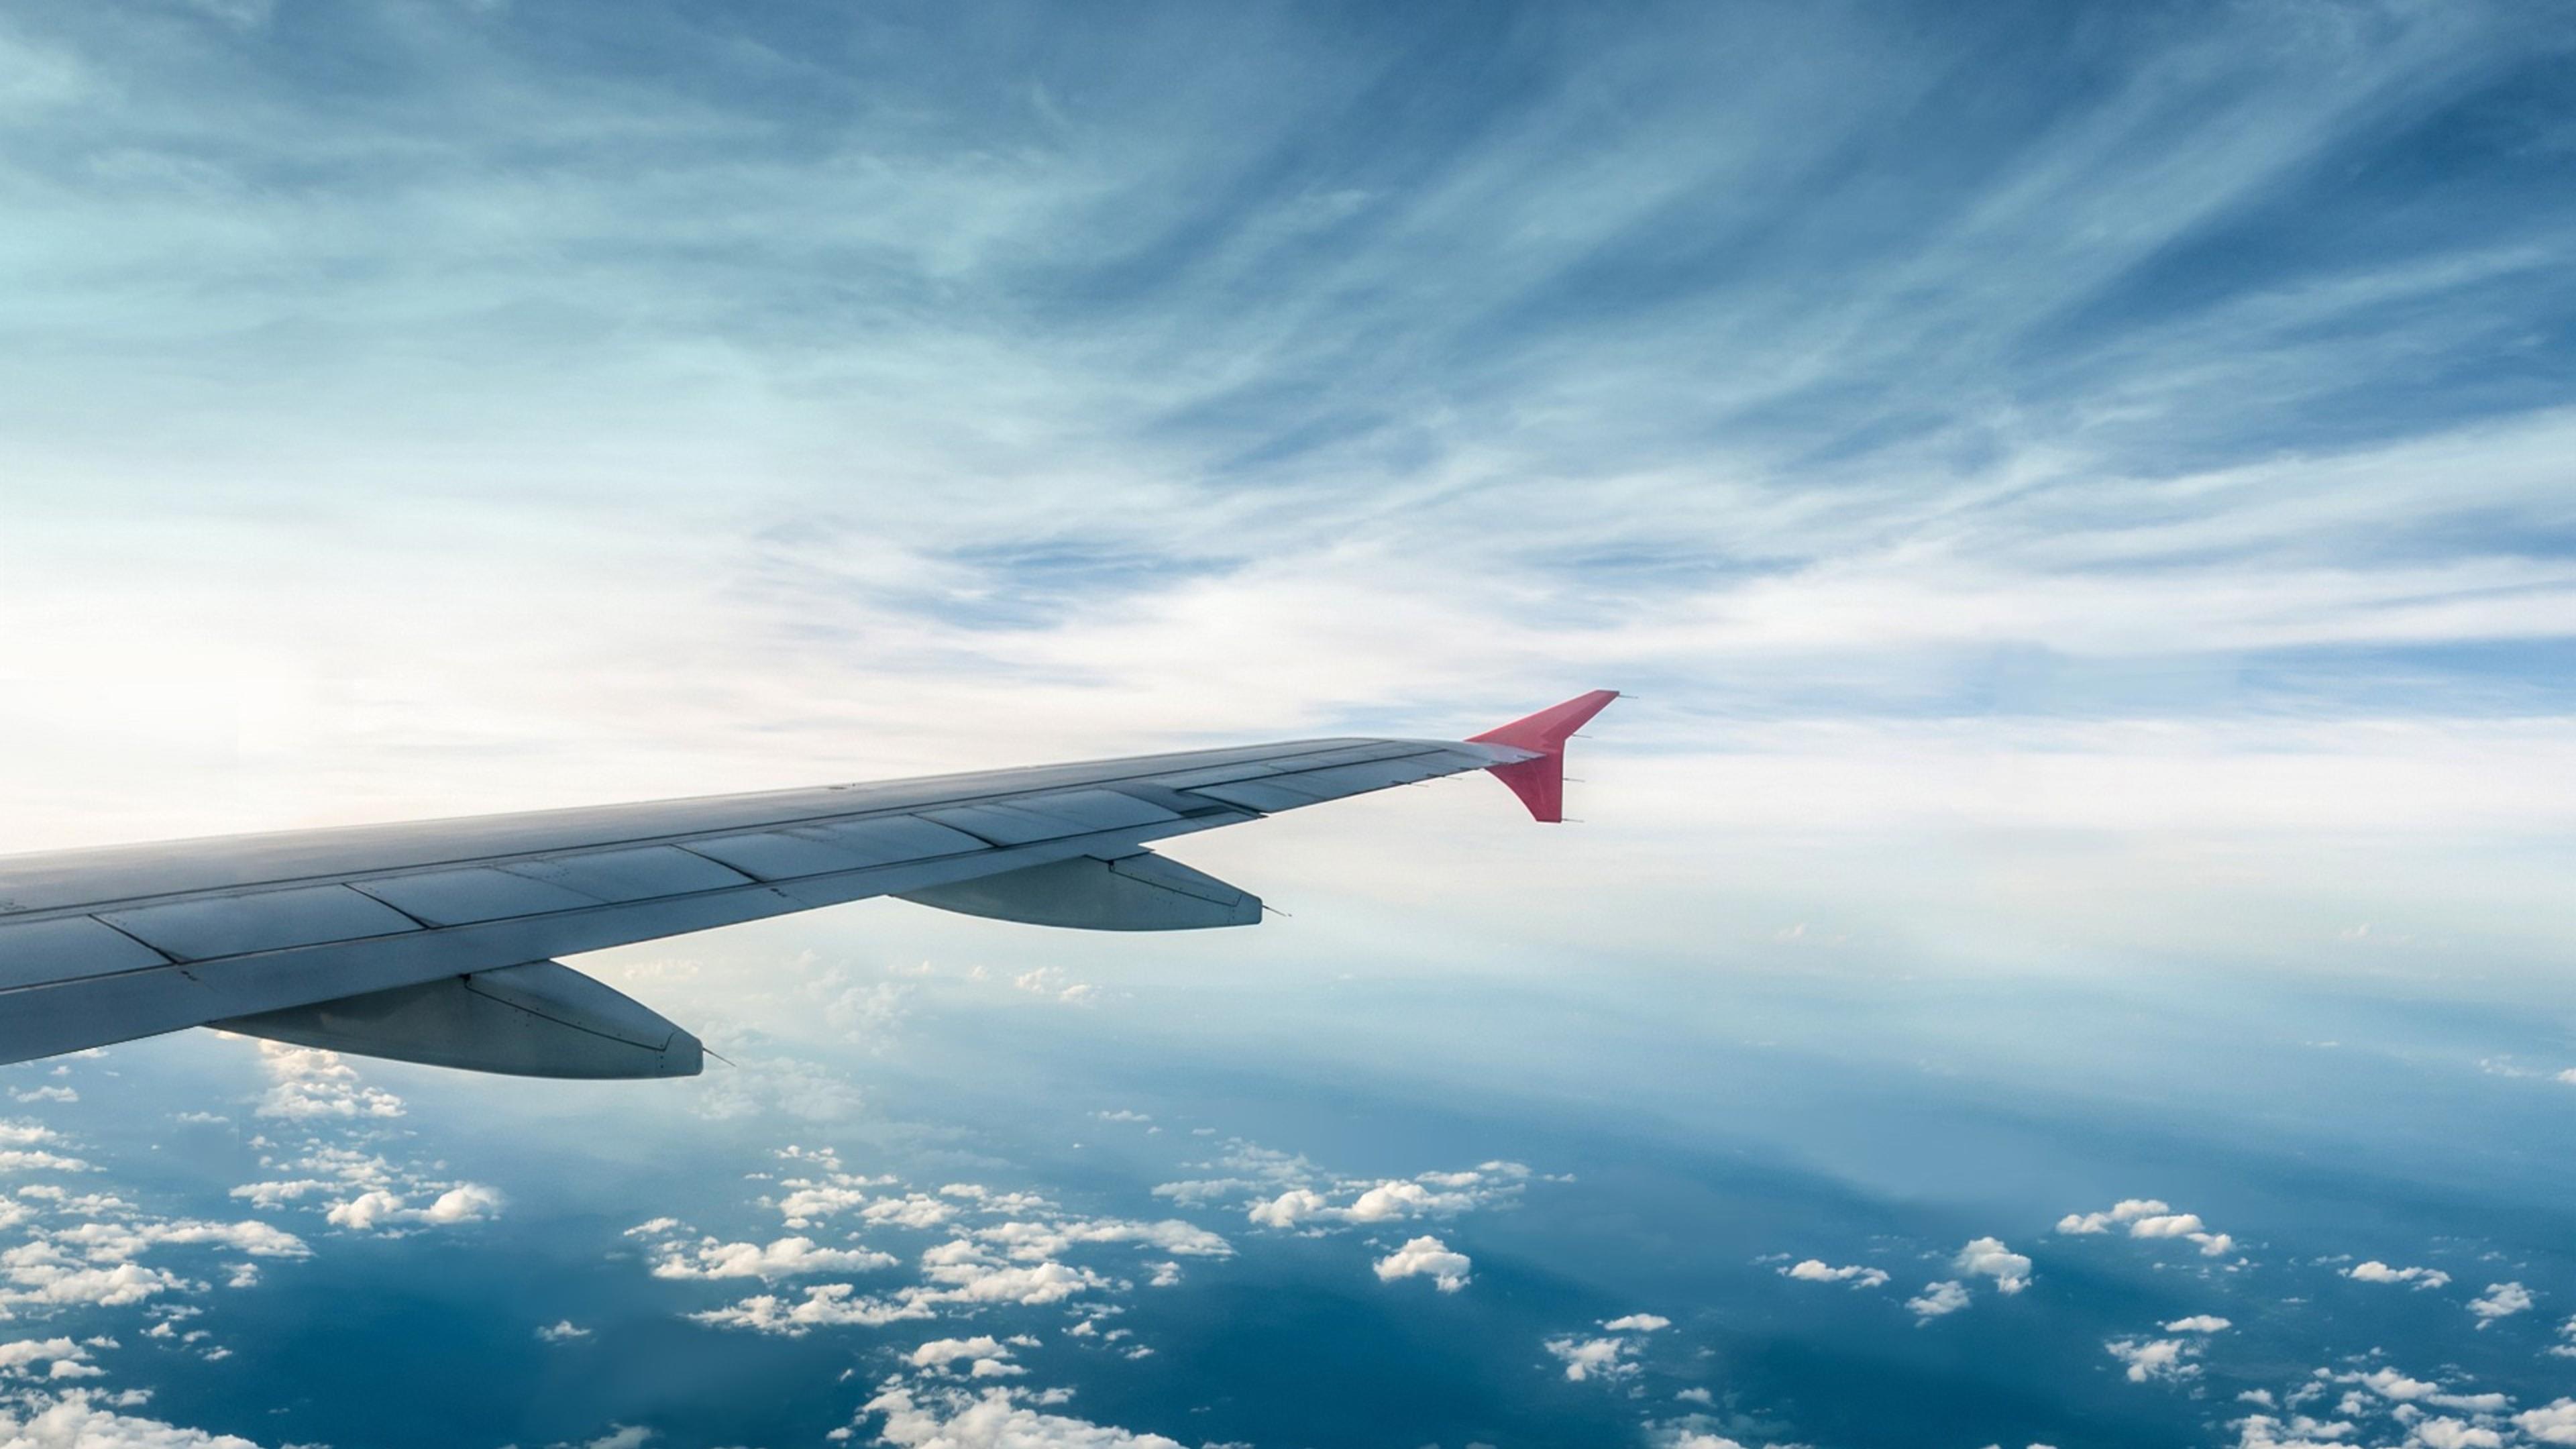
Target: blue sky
2081,495
1864,361
2107,420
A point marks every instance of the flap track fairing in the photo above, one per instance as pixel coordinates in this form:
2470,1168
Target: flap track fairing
542,1019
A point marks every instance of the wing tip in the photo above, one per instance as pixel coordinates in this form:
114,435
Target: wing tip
1540,782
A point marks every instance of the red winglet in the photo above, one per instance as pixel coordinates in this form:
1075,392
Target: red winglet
1541,782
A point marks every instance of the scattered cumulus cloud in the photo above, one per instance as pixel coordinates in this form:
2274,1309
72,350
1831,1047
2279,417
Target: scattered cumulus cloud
980,1357
781,1258
1989,1258
1639,1323
81,1419
307,1083
2552,1423
1426,1257
2146,1217
1592,1358
1816,1270
2151,1359
382,1210
2501,1300
2374,1271
914,1417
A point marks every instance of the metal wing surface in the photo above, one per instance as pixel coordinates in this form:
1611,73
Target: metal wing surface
436,940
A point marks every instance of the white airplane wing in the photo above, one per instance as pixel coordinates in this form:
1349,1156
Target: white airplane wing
434,941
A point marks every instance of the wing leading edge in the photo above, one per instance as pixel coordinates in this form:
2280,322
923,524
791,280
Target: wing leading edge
435,941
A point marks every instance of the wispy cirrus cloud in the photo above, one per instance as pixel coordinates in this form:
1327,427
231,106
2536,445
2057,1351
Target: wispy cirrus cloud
2142,442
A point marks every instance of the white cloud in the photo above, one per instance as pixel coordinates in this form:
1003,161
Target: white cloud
940,1353
80,1419
116,1242
783,1258
1018,1261
383,1210
2199,1323
1391,1200
20,1160
1426,1257
2147,1217
308,1083
810,1200
621,1436
972,1280
1169,1235
1305,1200
1639,1323
2160,1358
825,1305
2449,1433
93,1262
2552,1423
466,1203
1592,1358
362,1191
2375,1271
1692,1432
1051,981
562,1331
915,1210
936,1419
2390,1384
2299,1431
1815,1270
1938,1299
2501,1300
1289,1208
36,1277
1988,1257
60,1357
1202,1191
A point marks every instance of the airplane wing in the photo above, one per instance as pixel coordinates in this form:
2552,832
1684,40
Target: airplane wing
435,941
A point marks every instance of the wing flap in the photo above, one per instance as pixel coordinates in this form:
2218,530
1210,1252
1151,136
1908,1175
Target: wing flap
540,1019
